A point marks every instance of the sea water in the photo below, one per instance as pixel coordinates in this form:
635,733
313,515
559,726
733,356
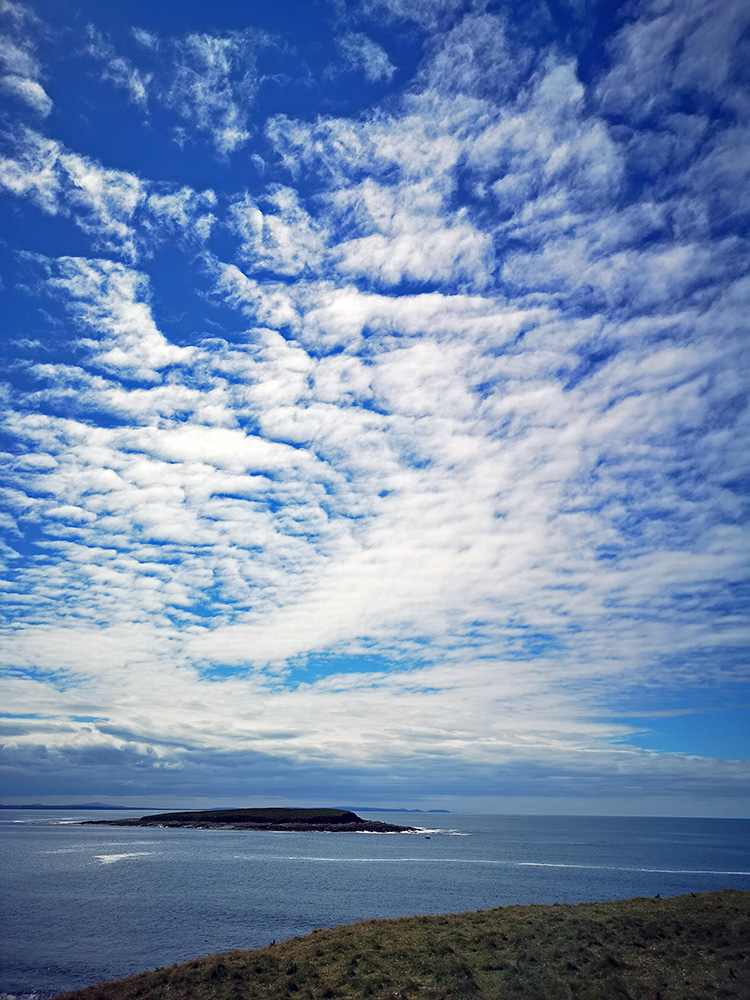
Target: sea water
82,904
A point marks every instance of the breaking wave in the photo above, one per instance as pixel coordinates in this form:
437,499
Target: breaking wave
618,868
110,859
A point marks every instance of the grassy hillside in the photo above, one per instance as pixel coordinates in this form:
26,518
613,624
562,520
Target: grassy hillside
684,948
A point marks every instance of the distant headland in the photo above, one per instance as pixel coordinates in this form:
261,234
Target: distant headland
392,809
66,806
276,819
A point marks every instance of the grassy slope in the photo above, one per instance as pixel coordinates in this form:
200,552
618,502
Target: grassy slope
684,948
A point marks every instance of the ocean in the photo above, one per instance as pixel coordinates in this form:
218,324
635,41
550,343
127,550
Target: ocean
79,905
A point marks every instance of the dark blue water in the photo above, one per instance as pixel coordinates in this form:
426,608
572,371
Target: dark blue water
79,905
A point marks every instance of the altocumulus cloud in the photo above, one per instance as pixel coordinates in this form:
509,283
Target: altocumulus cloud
386,434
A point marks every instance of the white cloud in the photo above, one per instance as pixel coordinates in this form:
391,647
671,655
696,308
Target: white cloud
182,211
120,212
108,300
123,74
146,39
400,226
421,254
514,478
475,58
429,14
29,91
284,238
669,50
215,81
21,73
32,172
119,70
17,59
359,53
102,201
209,80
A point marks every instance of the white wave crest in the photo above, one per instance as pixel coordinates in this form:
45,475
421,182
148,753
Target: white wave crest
19,996
110,859
617,868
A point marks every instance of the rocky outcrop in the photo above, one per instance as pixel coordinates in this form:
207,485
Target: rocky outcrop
274,819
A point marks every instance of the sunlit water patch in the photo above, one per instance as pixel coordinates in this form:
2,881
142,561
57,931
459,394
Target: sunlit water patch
110,859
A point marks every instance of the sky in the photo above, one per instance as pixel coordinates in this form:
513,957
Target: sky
375,404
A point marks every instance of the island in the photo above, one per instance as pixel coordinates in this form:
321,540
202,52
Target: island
276,819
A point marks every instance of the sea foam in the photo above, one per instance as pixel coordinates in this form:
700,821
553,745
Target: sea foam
110,859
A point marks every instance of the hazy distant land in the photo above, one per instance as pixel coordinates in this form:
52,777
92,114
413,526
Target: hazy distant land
681,948
277,819
67,806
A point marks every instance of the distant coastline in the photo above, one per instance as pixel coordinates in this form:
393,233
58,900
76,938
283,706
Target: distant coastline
390,809
69,807
271,819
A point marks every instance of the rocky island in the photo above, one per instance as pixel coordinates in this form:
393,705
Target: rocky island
278,819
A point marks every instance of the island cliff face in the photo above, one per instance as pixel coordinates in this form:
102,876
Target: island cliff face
302,820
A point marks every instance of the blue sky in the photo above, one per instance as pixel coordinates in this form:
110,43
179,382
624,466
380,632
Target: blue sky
375,404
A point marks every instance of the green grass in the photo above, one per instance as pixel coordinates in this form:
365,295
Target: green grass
694,947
